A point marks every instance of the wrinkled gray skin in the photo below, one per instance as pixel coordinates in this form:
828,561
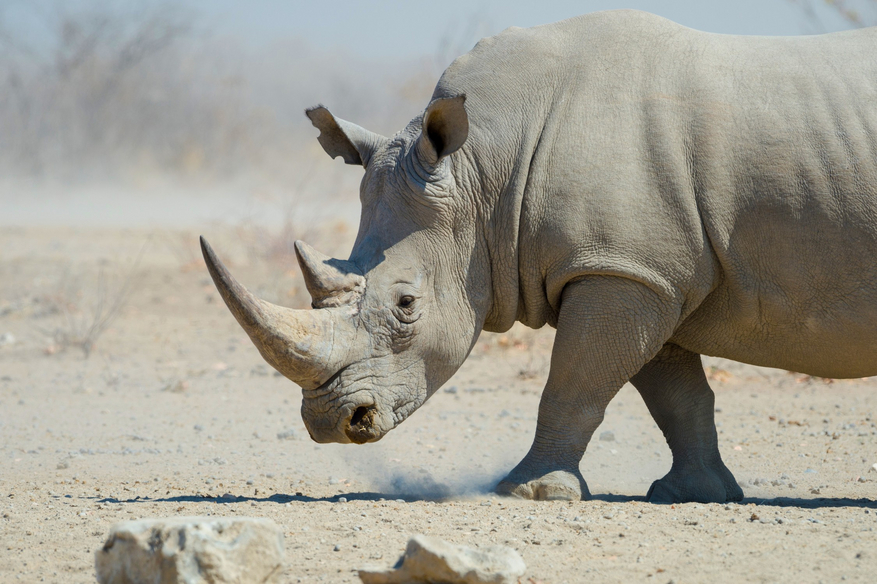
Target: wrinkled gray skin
654,192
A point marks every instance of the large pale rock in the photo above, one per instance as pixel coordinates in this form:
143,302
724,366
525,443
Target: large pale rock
429,559
192,550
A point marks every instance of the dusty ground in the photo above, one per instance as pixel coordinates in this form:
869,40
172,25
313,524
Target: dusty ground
175,413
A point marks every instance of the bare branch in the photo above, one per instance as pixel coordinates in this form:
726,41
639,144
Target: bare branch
857,14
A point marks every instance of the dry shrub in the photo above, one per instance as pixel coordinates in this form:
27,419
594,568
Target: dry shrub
272,252
85,308
855,13
184,247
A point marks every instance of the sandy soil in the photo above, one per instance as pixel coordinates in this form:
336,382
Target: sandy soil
175,413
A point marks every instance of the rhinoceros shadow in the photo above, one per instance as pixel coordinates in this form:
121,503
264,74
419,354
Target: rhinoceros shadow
817,503
275,498
802,503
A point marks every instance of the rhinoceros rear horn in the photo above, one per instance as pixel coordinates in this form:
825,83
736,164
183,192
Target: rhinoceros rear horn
298,343
330,282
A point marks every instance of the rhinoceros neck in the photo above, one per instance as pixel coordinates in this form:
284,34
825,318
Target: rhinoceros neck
510,95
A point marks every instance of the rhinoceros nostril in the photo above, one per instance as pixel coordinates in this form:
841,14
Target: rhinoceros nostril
361,427
359,416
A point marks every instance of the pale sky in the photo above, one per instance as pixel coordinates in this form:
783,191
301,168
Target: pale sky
377,29
381,28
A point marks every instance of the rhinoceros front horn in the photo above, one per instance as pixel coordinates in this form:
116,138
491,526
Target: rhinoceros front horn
300,344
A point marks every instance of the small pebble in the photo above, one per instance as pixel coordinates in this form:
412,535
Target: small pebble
287,435
342,499
607,436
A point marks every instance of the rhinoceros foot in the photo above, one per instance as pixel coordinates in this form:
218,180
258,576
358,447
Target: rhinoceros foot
558,485
705,485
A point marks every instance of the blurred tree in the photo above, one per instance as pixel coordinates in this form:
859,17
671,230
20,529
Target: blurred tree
72,80
97,90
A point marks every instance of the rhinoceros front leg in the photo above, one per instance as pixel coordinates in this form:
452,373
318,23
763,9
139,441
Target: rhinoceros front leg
679,397
607,329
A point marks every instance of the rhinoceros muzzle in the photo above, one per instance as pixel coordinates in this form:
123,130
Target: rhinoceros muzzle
358,421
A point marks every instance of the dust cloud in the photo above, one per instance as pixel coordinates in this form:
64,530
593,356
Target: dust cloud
397,478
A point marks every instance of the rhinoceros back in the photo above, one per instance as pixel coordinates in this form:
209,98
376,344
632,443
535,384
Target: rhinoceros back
737,173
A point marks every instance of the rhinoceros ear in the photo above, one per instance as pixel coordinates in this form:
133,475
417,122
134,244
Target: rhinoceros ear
445,128
341,138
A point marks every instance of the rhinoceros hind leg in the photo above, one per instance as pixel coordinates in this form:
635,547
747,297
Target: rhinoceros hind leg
558,485
676,391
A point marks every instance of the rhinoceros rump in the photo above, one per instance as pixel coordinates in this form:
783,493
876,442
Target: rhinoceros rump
653,192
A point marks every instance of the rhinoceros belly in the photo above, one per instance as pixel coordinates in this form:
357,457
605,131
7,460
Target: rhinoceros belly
798,290
840,343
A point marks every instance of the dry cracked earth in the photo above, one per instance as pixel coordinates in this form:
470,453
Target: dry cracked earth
173,412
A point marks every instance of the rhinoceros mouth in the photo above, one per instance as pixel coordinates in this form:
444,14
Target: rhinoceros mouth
361,426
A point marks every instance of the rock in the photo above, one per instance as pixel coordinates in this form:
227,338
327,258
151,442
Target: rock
607,436
191,550
429,559
7,339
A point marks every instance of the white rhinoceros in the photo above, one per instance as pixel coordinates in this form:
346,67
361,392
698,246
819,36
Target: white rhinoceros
653,192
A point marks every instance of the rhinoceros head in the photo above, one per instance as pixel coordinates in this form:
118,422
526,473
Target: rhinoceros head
393,322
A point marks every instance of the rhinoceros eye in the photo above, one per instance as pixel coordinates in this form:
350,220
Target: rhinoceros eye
406,301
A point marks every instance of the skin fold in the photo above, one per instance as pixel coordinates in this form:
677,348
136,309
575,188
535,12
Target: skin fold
653,192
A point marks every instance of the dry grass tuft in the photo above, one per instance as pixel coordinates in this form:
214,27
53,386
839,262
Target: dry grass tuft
272,251
84,311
